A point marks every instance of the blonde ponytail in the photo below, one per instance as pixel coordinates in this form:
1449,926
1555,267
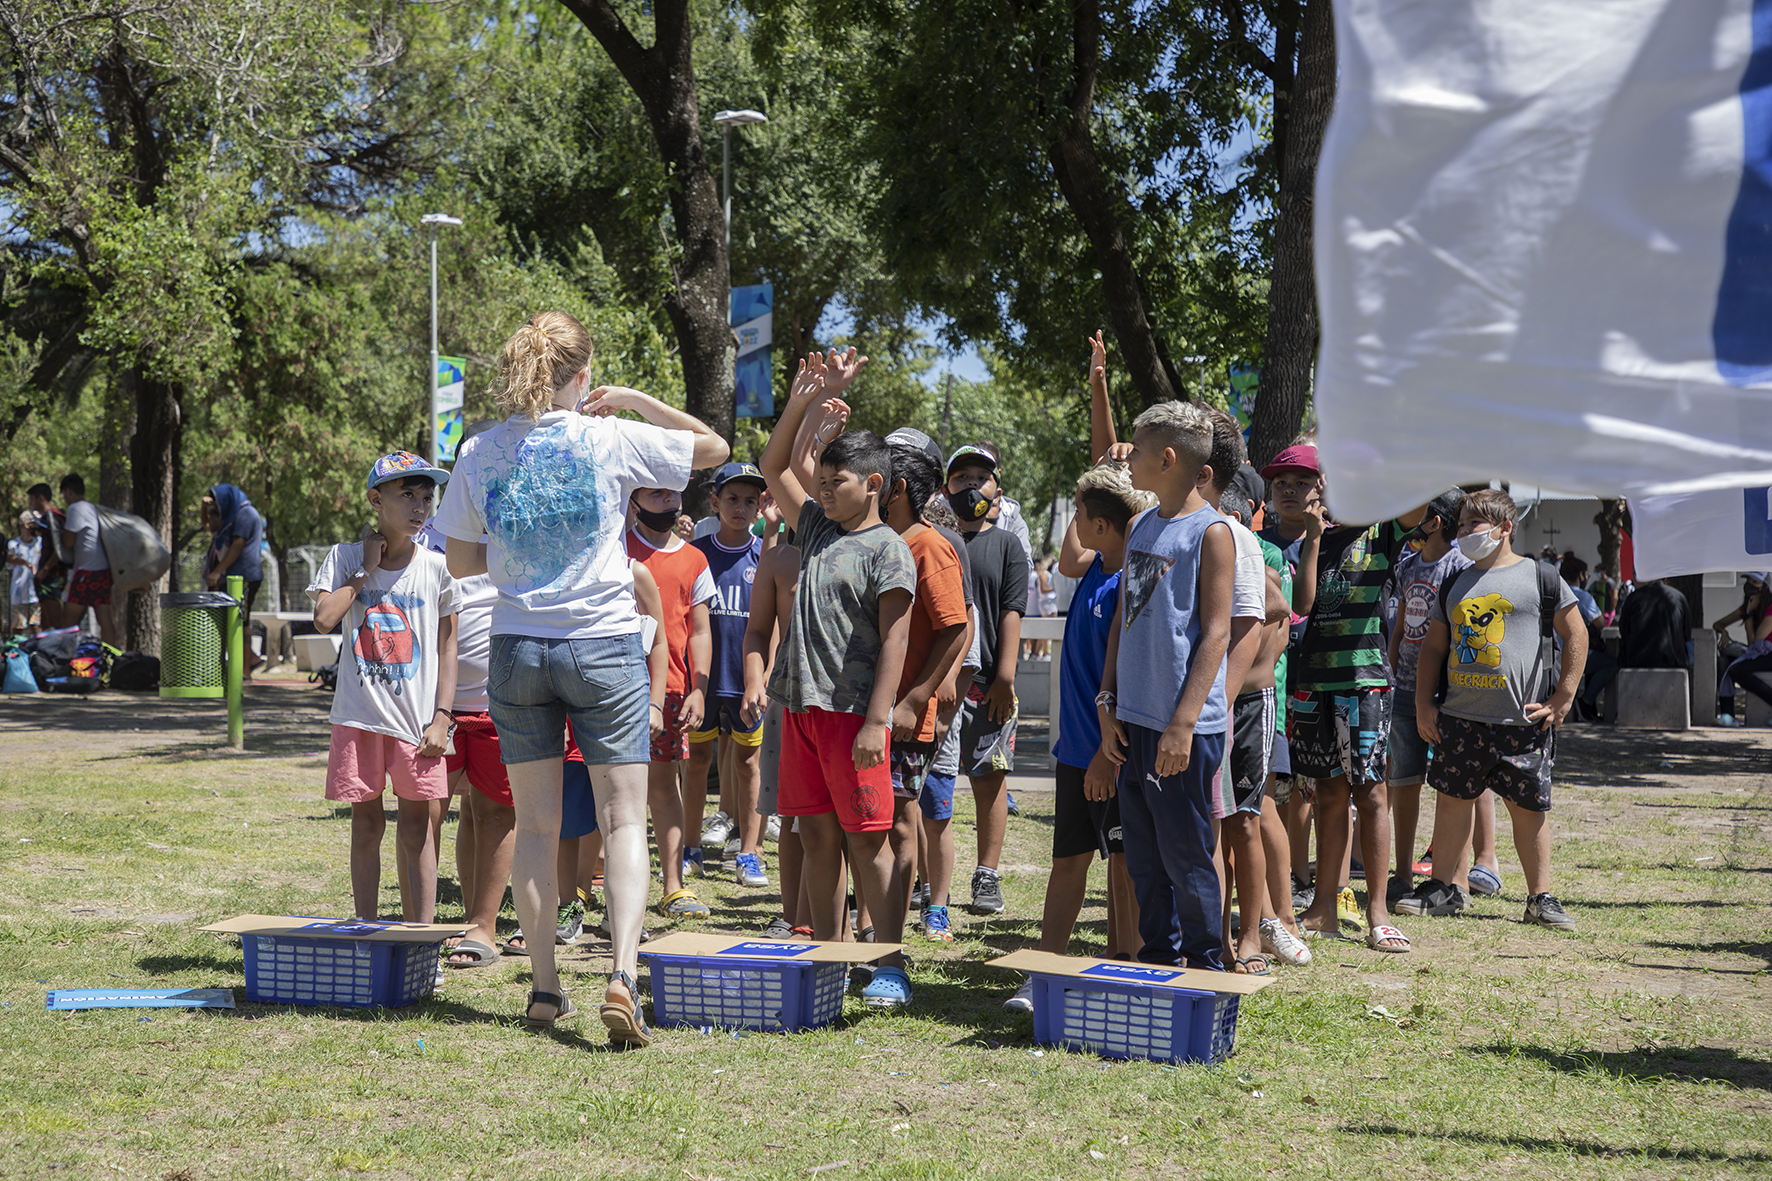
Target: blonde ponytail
543,355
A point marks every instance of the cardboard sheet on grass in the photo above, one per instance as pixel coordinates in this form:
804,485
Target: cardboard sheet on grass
1121,972
688,943
324,928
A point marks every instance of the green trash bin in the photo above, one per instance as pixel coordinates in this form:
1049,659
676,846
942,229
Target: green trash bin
193,643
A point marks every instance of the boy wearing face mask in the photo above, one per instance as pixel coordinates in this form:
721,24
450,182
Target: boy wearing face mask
1496,728
988,712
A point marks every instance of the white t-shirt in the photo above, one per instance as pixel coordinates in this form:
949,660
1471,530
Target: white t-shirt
387,680
551,497
1249,598
473,630
24,585
82,522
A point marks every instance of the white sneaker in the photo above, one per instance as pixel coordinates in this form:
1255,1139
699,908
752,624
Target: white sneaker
716,829
732,849
1282,944
1023,1000
772,830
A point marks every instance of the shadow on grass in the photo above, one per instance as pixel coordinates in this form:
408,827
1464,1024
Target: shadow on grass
1575,1145
1699,1064
1759,950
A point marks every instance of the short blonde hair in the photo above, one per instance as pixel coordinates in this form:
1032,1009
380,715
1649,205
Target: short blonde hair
540,357
1181,425
1106,490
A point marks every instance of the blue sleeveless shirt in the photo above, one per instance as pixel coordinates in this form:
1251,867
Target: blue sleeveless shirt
1160,594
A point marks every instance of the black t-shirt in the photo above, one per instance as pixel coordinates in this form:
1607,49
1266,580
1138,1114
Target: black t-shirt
1653,628
999,580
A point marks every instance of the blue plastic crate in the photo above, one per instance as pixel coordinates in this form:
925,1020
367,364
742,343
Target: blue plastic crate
292,969
775,996
1120,1020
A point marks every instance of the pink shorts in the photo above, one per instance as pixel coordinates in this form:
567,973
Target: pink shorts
360,764
476,748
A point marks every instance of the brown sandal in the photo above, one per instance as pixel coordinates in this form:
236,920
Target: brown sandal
622,1016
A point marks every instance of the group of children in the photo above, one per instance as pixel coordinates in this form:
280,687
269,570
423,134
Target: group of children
845,644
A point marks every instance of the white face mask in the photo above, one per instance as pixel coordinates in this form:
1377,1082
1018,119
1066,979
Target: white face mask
1477,546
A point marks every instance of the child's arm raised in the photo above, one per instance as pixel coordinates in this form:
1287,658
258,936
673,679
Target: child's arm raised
710,449
778,457
436,736
895,634
1218,573
1101,414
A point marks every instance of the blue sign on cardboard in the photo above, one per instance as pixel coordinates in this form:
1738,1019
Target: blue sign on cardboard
1126,972
783,950
346,927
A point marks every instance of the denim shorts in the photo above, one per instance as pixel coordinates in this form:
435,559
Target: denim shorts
599,685
1409,751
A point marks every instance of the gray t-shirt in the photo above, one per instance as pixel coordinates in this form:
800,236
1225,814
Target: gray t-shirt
1418,589
832,647
1496,659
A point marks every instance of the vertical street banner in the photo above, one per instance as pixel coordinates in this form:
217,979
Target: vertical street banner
447,399
753,319
1544,249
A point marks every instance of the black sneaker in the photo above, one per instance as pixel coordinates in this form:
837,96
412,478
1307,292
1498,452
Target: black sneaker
1546,911
1433,897
987,892
1302,896
1399,886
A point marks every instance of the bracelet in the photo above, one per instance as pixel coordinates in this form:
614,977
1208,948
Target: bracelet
1105,697
655,705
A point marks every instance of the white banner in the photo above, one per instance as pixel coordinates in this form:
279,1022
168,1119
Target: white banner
1544,248
1702,532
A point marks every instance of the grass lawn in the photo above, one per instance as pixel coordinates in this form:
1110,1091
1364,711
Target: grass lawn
1639,1046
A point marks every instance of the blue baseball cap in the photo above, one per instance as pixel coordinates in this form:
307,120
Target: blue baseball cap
400,464
744,472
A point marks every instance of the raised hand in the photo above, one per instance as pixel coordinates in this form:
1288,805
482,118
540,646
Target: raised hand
607,399
835,417
809,382
841,369
1098,363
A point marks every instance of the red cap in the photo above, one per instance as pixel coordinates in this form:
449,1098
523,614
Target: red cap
1302,457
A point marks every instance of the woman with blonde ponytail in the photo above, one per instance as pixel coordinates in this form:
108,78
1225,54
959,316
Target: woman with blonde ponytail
537,503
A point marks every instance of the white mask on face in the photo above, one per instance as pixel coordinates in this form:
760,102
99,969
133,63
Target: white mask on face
1477,546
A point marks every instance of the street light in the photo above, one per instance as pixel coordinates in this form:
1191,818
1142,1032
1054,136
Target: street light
726,121
430,430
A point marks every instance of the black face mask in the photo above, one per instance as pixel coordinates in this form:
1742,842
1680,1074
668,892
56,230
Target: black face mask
969,504
657,522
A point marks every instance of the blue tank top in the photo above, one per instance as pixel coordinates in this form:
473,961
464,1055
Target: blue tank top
1160,593
1086,629
733,572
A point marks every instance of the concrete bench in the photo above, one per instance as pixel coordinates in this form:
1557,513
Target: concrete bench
1653,699
311,652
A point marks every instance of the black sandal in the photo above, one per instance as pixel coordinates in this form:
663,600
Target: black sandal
562,1009
625,1022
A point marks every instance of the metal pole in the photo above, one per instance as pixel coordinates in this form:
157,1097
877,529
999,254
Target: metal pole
428,446
947,411
236,663
726,171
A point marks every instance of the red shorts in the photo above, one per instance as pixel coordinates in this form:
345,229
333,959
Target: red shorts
360,764
818,772
476,748
89,588
672,743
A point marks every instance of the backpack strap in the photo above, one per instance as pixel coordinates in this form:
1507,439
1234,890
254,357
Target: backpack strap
1550,593
1445,593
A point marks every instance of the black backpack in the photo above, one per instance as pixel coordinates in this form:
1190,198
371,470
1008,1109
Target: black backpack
134,672
326,676
1550,653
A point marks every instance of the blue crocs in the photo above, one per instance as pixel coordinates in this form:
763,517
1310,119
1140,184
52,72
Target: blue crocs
1485,881
889,989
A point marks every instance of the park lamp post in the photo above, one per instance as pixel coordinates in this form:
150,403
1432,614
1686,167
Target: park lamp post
726,121
433,220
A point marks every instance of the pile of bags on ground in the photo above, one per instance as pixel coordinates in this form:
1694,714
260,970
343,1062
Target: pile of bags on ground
68,661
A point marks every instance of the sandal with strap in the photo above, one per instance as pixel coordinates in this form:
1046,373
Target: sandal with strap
1377,936
684,904
562,1009
622,1016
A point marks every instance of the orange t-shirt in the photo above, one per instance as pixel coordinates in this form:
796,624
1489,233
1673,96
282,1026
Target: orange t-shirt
683,581
941,602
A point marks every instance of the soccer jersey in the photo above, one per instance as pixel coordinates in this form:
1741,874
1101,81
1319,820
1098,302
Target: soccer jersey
683,583
1080,662
1343,645
733,572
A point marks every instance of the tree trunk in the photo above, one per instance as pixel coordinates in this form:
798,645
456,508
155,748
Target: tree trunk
114,486
1291,348
1078,170
153,462
663,79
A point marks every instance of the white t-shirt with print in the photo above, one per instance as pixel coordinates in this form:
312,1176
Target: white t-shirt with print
551,496
1249,596
387,672
473,630
82,522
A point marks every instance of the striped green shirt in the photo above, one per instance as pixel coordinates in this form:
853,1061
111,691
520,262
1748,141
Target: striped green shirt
1343,645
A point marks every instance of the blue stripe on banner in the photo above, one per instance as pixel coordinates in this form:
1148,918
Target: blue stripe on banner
1742,329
